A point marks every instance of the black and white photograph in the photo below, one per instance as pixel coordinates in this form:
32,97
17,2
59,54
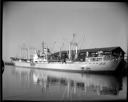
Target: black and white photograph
64,51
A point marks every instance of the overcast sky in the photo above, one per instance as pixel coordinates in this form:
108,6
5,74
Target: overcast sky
95,25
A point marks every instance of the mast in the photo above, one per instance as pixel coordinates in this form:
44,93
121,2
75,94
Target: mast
76,51
20,52
43,46
61,50
27,53
73,43
60,53
46,52
69,55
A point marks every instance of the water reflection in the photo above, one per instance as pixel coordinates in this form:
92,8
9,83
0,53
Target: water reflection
73,83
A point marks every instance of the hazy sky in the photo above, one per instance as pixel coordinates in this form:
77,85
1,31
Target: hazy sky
95,25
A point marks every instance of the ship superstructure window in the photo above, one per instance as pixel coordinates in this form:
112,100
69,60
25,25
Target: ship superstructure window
107,52
94,54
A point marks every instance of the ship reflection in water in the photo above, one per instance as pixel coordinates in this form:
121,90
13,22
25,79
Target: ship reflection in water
97,84
53,85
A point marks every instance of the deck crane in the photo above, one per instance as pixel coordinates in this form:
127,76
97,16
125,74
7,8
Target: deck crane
71,46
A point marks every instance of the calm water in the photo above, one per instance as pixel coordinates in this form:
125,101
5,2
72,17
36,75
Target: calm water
35,84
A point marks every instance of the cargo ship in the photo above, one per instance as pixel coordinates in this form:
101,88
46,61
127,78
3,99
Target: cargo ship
82,60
